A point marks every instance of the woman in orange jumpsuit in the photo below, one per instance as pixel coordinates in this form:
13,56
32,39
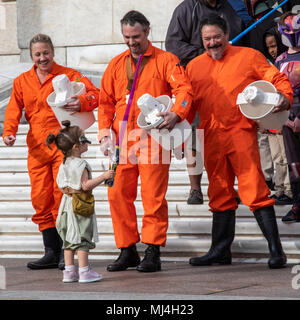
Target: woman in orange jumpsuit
230,139
30,91
161,75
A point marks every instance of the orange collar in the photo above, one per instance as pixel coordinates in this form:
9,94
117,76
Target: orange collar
149,52
55,69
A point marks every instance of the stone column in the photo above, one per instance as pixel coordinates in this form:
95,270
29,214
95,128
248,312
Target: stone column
9,50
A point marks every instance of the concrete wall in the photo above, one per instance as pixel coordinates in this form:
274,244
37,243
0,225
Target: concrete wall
9,50
87,33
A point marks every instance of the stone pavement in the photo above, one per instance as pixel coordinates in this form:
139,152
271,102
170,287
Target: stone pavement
177,281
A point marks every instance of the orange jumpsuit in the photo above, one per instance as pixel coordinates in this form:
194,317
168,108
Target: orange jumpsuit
42,162
230,139
161,76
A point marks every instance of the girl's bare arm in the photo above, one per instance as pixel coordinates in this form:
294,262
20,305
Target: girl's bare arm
89,184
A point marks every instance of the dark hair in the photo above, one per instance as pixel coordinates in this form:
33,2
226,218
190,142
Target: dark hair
40,38
132,17
65,139
214,19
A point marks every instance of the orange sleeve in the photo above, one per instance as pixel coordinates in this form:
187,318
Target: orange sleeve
13,112
181,87
89,101
107,102
192,112
273,75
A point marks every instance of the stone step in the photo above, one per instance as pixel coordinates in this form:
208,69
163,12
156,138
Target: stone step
22,178
189,231
17,193
3,104
24,209
21,139
24,128
97,165
21,152
177,226
254,248
6,85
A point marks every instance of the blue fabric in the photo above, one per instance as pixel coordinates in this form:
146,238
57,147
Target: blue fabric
240,9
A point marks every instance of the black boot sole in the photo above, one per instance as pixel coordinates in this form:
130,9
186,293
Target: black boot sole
112,268
279,263
41,267
277,266
148,269
210,262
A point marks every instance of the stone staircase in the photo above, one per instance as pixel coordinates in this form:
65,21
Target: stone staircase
189,231
189,225
7,75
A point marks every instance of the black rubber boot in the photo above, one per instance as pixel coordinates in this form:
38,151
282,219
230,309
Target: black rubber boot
52,243
151,261
266,220
223,230
128,258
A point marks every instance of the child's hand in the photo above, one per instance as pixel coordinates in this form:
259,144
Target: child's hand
110,174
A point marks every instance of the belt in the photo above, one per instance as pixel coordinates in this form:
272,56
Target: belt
69,191
296,99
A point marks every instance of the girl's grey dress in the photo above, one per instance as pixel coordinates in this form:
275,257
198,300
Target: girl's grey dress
76,231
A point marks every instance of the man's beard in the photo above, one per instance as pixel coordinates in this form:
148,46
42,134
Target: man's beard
135,49
216,55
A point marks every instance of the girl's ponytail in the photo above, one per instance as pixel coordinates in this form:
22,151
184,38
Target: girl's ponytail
50,139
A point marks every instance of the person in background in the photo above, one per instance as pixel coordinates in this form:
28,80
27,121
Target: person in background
272,44
282,186
255,39
289,63
183,37
30,91
240,8
256,10
230,139
184,40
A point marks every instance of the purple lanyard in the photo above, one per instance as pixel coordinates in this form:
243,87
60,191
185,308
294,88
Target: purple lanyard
126,115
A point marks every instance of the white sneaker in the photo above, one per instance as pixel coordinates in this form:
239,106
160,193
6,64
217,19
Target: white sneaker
70,276
89,276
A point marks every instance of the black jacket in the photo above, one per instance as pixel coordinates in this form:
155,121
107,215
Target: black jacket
183,35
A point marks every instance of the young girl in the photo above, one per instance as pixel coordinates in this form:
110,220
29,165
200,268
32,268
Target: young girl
79,233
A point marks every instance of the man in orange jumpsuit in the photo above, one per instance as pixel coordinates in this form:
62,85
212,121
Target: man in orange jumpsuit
160,75
30,91
230,139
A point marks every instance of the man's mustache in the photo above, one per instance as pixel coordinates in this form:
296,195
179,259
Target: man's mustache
215,46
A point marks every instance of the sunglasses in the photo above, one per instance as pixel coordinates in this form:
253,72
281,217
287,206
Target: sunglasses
83,139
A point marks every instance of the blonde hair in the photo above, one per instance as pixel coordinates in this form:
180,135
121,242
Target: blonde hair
40,38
